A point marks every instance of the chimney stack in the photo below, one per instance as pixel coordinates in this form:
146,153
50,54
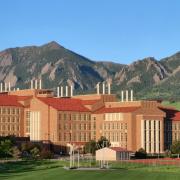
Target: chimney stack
58,91
127,96
104,88
31,84
71,90
36,84
66,91
40,84
131,95
97,86
122,96
61,91
5,87
1,87
109,88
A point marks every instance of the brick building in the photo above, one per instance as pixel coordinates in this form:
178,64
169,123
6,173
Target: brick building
128,124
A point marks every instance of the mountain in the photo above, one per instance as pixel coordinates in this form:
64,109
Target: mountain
57,65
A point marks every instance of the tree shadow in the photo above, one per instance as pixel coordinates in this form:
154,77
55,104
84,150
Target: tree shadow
11,169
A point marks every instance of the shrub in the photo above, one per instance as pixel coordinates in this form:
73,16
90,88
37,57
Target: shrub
141,154
46,154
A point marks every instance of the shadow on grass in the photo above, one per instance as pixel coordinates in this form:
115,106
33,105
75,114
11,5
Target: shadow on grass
8,168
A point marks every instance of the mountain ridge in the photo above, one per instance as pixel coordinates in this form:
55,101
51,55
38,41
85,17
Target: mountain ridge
57,65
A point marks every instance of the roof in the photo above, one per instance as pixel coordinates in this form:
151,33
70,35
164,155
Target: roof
170,112
119,149
9,100
177,117
23,98
90,102
65,104
116,109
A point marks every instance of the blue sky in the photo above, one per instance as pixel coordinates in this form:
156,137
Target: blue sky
113,30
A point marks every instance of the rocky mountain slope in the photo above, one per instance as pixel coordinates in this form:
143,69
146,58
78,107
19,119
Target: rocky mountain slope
57,65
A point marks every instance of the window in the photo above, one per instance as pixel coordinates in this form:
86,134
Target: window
65,116
60,116
85,117
13,111
3,111
8,110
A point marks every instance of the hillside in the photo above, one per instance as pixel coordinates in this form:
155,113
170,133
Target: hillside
57,65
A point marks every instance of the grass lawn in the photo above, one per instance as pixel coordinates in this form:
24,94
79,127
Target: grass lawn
175,104
53,170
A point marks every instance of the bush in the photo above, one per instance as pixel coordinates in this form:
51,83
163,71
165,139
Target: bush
141,154
15,152
5,148
35,152
46,154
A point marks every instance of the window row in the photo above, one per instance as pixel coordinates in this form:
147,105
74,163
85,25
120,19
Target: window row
115,126
6,110
176,126
114,117
77,127
9,119
9,127
8,134
78,117
78,137
116,136
176,136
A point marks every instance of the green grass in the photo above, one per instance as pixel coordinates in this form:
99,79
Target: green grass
53,170
174,104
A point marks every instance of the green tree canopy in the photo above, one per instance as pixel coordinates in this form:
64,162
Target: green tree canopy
90,147
141,154
5,148
175,148
103,142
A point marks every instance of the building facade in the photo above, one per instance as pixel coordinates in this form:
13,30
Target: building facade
129,124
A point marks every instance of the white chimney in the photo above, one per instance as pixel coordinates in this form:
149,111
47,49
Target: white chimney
36,84
61,91
5,87
127,96
40,84
103,88
131,95
71,90
122,96
9,86
31,84
17,89
97,86
57,91
109,88
66,91
1,88
14,89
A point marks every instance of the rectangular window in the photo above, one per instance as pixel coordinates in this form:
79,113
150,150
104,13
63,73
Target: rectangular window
65,116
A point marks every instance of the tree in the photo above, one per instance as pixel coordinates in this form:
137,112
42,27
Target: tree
15,152
175,148
46,154
103,142
90,147
35,152
141,154
5,148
